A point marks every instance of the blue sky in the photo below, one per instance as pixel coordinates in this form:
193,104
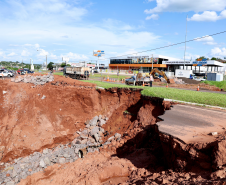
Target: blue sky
75,28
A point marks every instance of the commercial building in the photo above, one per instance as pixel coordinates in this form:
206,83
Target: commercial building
164,63
197,66
137,62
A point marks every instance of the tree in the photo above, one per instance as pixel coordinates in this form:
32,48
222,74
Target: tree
63,64
50,66
68,65
203,57
213,58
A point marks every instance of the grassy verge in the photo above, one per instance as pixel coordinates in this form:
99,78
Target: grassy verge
58,73
207,98
221,85
98,75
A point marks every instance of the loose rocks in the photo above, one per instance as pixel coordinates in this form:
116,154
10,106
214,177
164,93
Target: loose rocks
36,80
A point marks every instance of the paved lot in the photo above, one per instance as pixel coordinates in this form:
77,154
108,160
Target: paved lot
191,124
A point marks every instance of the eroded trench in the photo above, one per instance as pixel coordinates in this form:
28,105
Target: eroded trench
30,124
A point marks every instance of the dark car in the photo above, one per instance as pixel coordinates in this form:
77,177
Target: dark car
129,81
28,71
95,71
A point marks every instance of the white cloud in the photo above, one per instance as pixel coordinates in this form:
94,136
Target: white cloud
153,16
187,5
218,52
42,10
27,44
25,53
37,46
207,40
74,56
208,16
190,56
52,56
113,24
1,53
42,52
12,54
210,43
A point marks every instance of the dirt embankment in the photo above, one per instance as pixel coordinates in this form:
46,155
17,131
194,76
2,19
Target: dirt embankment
45,116
40,117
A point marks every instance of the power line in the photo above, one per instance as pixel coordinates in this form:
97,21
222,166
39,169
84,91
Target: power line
170,45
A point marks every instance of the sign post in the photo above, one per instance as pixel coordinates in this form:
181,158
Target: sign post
98,53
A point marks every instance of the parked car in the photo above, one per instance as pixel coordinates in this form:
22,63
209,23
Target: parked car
6,73
28,71
95,71
20,71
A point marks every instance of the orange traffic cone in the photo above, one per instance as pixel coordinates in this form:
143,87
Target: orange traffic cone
114,80
166,85
198,88
143,84
108,79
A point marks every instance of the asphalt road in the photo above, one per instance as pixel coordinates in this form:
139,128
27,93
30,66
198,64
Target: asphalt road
191,123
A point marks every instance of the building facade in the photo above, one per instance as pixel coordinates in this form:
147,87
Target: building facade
146,63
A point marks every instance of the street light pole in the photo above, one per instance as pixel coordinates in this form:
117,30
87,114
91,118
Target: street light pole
185,41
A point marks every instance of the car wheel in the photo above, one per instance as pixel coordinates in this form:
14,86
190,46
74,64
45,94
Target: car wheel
9,75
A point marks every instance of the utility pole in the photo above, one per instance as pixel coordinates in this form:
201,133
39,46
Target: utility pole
185,41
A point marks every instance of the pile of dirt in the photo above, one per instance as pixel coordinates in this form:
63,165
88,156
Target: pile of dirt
202,86
189,81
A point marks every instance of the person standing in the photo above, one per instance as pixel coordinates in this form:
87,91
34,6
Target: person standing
134,78
151,79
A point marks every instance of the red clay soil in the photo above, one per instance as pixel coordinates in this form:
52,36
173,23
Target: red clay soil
142,156
30,123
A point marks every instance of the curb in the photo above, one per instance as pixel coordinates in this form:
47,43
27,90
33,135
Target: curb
222,108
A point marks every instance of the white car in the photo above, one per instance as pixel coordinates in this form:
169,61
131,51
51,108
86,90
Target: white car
6,73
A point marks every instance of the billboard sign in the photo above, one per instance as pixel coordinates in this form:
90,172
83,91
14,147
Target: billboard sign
199,63
66,59
98,53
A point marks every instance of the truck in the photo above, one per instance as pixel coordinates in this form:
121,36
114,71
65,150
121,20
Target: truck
77,72
139,81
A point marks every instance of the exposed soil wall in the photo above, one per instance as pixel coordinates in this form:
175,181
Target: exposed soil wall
40,117
34,118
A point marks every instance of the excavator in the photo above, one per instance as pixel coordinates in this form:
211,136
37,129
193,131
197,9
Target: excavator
155,70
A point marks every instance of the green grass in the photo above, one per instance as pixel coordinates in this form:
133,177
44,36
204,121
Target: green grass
58,73
221,85
98,75
215,99
207,98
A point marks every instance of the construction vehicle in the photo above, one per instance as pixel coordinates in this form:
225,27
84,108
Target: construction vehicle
144,79
77,72
155,70
140,80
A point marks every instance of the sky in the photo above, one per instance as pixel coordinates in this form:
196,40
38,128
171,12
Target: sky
65,28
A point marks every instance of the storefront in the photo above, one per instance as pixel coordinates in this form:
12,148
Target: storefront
146,63
198,66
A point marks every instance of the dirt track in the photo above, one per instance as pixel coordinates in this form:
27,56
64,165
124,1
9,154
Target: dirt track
143,155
